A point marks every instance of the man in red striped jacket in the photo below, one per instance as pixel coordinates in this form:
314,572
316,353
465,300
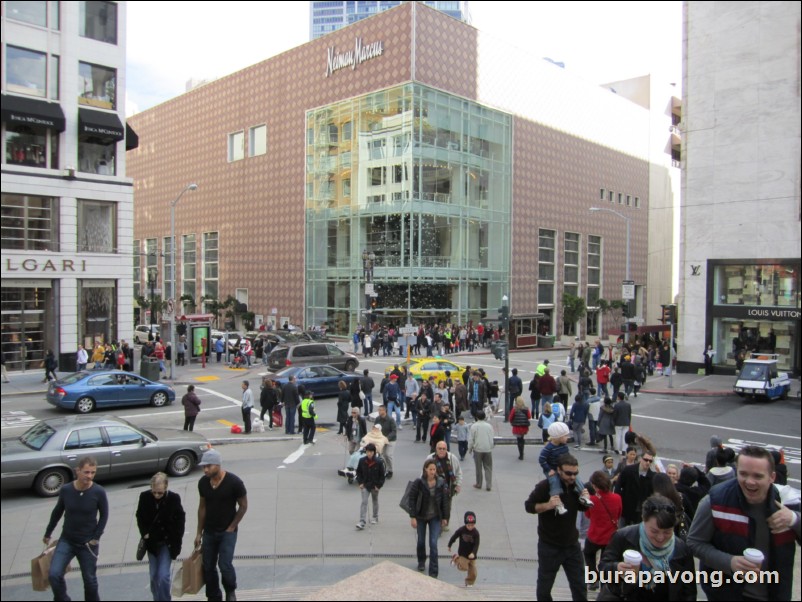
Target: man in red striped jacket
742,513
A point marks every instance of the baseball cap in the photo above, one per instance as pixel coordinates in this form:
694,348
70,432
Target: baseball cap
470,518
211,456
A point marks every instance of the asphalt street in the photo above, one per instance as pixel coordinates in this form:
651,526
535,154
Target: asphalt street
302,514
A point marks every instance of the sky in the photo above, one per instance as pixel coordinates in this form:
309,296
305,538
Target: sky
171,42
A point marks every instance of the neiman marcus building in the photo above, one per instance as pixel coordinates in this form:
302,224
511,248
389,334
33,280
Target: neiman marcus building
409,154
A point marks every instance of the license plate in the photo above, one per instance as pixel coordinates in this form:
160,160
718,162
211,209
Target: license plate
749,391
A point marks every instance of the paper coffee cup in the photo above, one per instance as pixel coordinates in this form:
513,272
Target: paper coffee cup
754,556
633,557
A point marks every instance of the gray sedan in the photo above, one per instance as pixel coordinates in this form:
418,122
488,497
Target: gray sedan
46,455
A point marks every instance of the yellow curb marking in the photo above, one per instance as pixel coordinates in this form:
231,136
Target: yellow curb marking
206,379
226,423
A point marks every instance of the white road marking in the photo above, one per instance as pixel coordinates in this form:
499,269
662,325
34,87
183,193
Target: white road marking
698,380
722,428
667,400
294,456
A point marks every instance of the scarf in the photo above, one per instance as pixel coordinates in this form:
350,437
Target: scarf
659,558
445,470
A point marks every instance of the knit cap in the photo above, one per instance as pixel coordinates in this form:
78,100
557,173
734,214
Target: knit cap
557,430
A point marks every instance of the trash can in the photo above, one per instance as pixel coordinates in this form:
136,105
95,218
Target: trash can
499,349
545,341
150,369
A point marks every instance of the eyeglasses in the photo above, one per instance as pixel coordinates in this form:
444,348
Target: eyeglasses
648,460
570,473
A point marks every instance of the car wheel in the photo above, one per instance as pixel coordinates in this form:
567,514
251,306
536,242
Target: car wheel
350,366
159,399
84,405
181,463
49,482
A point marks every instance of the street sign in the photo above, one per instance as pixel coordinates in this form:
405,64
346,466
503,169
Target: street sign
369,290
408,330
628,290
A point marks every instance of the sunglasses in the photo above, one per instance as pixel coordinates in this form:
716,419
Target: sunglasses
570,473
648,460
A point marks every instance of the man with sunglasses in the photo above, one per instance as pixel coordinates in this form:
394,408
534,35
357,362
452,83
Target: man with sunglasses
747,512
558,538
634,485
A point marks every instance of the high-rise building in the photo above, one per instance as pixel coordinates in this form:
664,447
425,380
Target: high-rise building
67,206
740,244
325,17
406,168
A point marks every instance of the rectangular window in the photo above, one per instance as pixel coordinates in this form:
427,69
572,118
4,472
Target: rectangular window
629,200
97,313
210,265
98,21
620,198
333,134
26,71
611,196
602,194
257,141
32,146
236,146
97,227
188,280
97,86
167,272
96,157
637,202
152,254
377,175
346,187
29,223
400,174
377,148
347,128
137,273
546,258
594,269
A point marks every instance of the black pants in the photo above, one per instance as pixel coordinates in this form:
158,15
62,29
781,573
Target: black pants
590,552
269,411
550,559
520,442
463,449
423,425
181,359
605,438
246,419
308,429
189,423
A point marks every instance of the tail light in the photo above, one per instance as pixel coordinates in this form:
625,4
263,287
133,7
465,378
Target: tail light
60,392
287,362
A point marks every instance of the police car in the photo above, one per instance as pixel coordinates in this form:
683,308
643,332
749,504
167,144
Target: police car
759,378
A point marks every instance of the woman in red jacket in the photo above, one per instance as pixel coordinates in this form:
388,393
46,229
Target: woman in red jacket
519,419
603,515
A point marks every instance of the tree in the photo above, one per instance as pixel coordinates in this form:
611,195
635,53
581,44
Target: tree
611,308
573,310
189,301
213,306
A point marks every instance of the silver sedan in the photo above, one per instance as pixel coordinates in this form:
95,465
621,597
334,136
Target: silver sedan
46,455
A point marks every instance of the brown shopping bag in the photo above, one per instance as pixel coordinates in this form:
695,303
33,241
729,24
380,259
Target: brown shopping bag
192,575
40,568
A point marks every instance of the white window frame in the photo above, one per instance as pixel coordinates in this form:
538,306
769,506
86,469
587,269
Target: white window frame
236,146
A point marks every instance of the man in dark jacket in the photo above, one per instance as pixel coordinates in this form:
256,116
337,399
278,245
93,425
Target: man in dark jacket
622,419
291,399
742,513
634,485
367,385
628,375
370,476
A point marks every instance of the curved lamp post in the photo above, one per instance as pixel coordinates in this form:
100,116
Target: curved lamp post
172,274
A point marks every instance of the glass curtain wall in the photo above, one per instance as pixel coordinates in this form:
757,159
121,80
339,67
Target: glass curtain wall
419,183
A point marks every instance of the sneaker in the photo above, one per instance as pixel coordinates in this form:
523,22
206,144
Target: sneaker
360,525
586,502
560,509
389,475
374,521
421,567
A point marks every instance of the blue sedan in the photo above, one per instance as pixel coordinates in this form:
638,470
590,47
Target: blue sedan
322,380
87,391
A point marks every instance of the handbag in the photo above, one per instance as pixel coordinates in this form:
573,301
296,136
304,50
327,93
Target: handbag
40,568
406,504
362,395
141,548
192,579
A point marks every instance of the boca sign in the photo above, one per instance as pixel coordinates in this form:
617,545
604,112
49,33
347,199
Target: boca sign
352,58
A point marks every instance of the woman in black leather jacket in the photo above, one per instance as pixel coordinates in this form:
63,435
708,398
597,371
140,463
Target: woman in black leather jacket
431,502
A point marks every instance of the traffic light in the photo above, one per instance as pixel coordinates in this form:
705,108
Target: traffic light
625,309
669,314
373,302
504,312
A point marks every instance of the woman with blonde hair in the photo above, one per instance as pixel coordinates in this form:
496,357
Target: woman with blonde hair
519,419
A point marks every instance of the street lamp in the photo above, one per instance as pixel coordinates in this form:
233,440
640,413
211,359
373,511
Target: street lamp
152,273
172,272
627,277
505,320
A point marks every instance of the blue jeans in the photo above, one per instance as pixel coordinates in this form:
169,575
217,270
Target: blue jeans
556,488
218,550
593,426
289,422
87,560
550,559
392,406
603,390
434,534
368,403
159,565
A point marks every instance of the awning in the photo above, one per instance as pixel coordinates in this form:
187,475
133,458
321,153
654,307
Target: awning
105,127
195,317
131,139
18,110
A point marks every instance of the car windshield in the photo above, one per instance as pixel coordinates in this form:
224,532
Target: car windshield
71,379
36,436
754,371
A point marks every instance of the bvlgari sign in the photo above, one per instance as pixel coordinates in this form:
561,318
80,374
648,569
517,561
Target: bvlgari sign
352,58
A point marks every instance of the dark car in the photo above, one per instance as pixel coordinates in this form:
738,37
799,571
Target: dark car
320,380
311,354
87,391
46,455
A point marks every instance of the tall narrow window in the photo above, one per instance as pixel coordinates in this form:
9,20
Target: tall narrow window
546,258
137,273
571,266
236,146
97,227
257,141
210,265
188,281
594,283
167,272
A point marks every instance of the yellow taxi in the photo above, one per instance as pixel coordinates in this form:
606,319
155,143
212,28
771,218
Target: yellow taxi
422,368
